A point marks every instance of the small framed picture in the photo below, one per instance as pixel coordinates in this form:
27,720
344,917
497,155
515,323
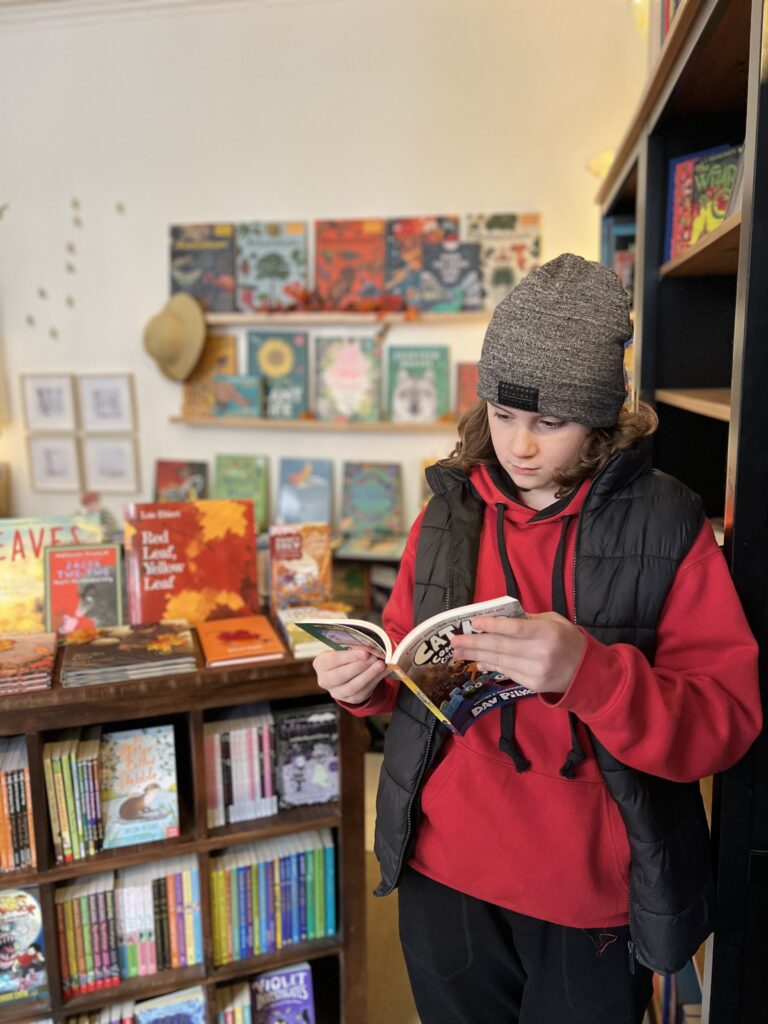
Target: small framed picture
48,401
53,463
106,402
110,465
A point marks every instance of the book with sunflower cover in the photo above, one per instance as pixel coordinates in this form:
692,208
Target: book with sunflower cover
279,358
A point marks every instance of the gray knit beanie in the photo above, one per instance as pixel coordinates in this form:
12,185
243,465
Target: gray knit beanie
555,344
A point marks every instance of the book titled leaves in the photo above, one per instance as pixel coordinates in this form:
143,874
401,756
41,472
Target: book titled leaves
348,378
451,278
22,574
202,264
300,564
305,491
418,385
139,797
26,661
243,476
456,692
192,560
279,359
406,238
23,977
349,262
83,587
510,247
283,995
239,641
187,1006
271,264
92,656
199,393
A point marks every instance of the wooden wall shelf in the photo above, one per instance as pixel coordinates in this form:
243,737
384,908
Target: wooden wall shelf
712,402
331,318
252,423
716,255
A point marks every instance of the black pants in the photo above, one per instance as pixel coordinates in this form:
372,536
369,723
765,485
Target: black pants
471,962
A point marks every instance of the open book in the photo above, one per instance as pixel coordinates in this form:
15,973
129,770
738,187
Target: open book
455,691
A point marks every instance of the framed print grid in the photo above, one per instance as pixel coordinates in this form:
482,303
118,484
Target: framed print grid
54,463
107,402
110,464
48,401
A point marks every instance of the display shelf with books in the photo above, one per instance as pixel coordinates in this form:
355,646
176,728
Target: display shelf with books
333,318
310,423
701,360
189,700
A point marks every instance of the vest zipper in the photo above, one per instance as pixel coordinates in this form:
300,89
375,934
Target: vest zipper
416,791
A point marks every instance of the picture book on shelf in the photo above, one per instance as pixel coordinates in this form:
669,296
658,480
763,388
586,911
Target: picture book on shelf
83,587
239,641
418,388
180,480
372,498
139,795
510,247
300,564
301,644
406,238
699,188
203,264
349,262
467,377
238,394
271,264
118,653
198,392
305,492
455,691
283,995
23,976
22,572
451,278
307,754
245,477
280,359
187,1006
192,560
348,378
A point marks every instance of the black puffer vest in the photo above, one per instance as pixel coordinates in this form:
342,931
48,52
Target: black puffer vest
634,529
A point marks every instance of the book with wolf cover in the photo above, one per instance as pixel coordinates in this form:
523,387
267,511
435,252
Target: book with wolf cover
349,261
239,641
456,692
83,587
418,384
271,264
23,976
203,264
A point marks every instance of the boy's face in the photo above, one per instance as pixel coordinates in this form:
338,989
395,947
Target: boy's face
532,447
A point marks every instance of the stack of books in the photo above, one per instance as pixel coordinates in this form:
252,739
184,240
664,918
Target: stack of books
26,662
302,644
122,653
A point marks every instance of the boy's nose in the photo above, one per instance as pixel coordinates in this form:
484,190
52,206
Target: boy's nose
523,442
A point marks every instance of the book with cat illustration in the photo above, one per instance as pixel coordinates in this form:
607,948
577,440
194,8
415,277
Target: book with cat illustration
456,692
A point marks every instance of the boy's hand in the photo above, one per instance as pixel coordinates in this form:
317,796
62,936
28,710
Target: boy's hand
350,676
541,652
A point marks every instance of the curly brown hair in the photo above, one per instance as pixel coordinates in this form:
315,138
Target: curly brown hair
635,422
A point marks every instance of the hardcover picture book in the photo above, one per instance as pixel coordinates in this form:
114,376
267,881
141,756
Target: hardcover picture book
23,976
307,755
180,480
83,587
418,387
237,394
300,564
203,264
127,652
199,392
510,247
467,377
451,278
139,798
348,378
372,498
456,692
192,560
305,491
406,238
283,996
239,641
244,476
187,1006
280,359
271,264
349,262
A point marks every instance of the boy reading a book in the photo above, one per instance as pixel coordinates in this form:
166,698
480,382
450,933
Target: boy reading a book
555,854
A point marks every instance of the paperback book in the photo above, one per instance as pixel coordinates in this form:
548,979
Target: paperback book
283,996
406,238
305,491
451,278
243,477
307,755
23,975
203,264
279,359
127,652
699,188
300,564
455,691
239,641
510,247
271,264
199,394
349,262
418,384
348,378
83,587
180,480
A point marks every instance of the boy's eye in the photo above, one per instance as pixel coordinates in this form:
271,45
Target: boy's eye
552,424
500,415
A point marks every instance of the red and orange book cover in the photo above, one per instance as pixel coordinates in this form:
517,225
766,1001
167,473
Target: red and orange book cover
239,641
466,387
83,587
349,261
192,560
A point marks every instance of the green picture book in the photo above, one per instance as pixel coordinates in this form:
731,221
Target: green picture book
241,477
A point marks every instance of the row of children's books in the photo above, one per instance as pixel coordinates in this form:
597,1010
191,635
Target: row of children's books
17,833
433,262
347,376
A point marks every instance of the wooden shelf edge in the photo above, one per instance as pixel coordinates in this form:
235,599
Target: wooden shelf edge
329,318
146,987
712,402
720,246
249,423
312,950
20,1011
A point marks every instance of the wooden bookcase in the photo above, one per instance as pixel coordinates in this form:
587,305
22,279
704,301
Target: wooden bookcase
338,963
702,359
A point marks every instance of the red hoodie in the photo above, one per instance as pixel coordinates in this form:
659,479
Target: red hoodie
534,842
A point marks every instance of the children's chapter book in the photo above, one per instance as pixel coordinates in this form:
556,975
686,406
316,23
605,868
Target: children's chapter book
192,560
307,754
139,795
203,264
510,247
83,587
455,691
280,359
406,238
451,278
243,476
238,394
180,480
349,262
418,386
271,264
372,498
300,564
23,976
219,356
348,378
283,996
305,491
239,641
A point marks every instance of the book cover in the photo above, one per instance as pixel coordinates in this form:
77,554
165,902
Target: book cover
510,247
418,388
713,180
406,238
681,197
305,491
203,264
22,572
83,587
307,755
349,262
280,359
191,560
26,660
271,264
283,996
372,547
300,564
180,480
372,498
139,796
245,477
187,1006
239,641
467,376
198,392
120,652
348,378
23,974
456,692
451,278
237,394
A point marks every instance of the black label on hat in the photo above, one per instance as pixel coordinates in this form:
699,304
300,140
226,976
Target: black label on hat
518,396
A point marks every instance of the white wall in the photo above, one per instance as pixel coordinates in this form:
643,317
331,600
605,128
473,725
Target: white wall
280,108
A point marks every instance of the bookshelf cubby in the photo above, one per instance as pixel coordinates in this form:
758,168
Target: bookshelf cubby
339,960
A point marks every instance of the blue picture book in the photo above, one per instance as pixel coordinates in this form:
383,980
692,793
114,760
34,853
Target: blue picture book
305,491
237,394
184,1007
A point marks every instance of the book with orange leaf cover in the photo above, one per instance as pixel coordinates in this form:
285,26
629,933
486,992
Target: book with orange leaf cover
193,560
239,641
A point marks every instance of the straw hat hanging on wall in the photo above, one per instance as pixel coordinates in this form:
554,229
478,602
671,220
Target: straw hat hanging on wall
176,335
